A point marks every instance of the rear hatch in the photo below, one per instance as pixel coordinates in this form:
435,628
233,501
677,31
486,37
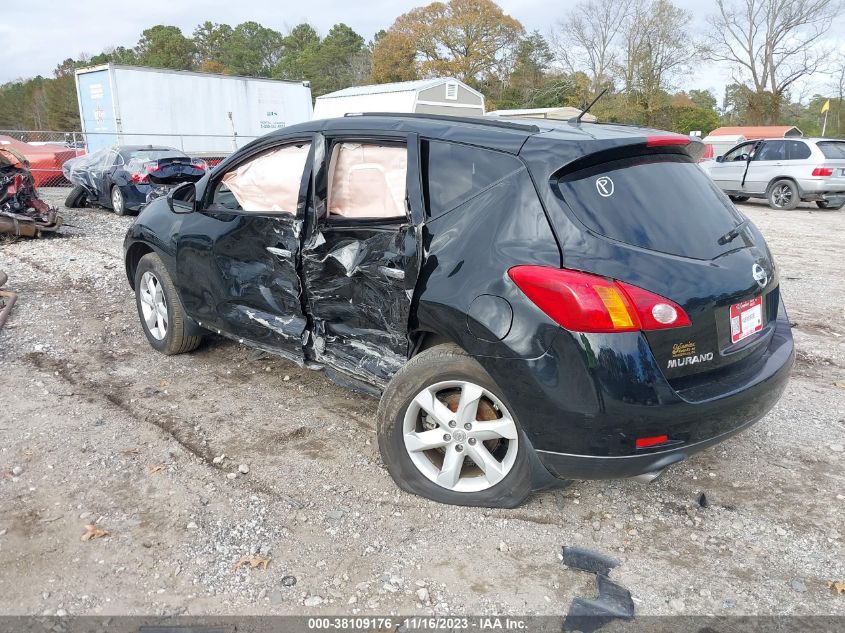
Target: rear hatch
832,170
168,171
657,221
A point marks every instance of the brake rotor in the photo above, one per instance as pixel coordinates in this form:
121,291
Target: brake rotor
486,411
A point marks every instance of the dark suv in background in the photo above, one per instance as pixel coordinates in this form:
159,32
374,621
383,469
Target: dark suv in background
532,302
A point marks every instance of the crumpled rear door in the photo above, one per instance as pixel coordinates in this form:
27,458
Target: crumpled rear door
359,281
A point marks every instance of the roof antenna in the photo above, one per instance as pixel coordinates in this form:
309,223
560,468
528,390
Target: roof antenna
577,119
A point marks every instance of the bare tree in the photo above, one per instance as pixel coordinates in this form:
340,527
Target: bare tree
587,39
772,43
656,49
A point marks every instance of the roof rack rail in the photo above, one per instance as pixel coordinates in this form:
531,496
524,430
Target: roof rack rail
491,121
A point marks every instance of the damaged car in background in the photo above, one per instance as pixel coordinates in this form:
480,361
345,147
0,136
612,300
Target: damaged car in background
127,177
22,212
532,302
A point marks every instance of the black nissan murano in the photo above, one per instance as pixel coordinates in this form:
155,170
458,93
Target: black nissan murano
533,303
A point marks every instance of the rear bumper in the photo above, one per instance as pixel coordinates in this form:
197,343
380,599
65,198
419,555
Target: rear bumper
584,403
564,466
822,188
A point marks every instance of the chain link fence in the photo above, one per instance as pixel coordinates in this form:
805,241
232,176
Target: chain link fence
48,150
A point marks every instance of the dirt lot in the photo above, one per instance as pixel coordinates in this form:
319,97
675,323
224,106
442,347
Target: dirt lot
101,429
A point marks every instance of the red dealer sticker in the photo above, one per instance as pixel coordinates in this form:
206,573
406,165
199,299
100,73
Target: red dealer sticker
746,318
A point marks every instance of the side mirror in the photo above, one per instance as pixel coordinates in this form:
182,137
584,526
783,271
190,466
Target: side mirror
183,199
720,159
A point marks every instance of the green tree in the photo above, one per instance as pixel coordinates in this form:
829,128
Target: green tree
210,41
684,119
703,99
165,47
252,50
339,60
297,47
62,107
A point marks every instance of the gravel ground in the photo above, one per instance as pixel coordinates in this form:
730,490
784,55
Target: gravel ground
98,429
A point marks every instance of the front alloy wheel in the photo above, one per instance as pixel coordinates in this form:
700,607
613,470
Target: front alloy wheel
153,305
160,309
460,436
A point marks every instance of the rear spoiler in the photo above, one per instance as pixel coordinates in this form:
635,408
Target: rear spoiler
688,146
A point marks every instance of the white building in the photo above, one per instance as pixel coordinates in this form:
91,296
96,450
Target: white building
444,95
557,114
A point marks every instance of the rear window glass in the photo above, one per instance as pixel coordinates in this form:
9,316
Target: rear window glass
456,173
665,204
832,149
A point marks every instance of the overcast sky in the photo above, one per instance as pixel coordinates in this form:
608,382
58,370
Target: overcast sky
38,35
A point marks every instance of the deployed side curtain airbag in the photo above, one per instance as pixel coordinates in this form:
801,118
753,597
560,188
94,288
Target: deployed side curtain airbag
271,181
368,181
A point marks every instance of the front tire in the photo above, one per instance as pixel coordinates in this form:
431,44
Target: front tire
739,198
159,308
118,203
783,195
77,197
446,432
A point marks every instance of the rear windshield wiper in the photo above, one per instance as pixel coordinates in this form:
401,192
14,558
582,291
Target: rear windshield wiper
731,235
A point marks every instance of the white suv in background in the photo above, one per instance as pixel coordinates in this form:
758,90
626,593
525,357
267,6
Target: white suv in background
785,171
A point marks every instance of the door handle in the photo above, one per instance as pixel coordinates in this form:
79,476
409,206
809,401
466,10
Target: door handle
281,252
393,273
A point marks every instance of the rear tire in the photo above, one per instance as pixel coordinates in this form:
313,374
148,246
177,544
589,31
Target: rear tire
160,309
824,204
739,198
118,203
77,197
783,195
446,379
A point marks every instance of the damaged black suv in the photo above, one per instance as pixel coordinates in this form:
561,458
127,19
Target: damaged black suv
532,302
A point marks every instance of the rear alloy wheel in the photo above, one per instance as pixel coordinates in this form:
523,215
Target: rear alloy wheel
118,204
783,194
460,436
446,433
824,204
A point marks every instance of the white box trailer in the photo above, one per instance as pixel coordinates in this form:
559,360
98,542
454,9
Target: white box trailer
199,113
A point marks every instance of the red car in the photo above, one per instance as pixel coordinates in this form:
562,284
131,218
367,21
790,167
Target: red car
45,161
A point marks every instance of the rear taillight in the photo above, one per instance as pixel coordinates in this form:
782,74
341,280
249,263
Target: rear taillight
583,302
136,177
199,164
823,171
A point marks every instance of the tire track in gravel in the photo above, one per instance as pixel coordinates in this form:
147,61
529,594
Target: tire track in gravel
113,393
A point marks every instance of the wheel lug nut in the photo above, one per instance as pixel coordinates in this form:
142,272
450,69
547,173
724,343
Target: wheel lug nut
459,447
468,426
447,437
452,423
472,441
